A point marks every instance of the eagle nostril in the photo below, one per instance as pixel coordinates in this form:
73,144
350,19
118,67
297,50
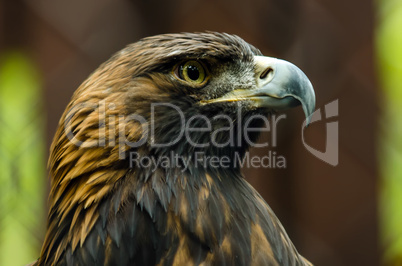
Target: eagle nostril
266,73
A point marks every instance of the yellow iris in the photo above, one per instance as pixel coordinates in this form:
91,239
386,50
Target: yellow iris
192,71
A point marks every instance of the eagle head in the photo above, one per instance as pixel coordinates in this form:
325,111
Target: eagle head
178,94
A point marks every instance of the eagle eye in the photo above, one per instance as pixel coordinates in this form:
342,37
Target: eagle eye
192,71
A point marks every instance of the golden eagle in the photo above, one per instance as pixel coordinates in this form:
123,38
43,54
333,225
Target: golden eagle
169,97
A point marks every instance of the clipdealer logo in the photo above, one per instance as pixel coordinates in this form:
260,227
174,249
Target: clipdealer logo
331,153
113,131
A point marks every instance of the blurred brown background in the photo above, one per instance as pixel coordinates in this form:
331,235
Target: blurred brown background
329,212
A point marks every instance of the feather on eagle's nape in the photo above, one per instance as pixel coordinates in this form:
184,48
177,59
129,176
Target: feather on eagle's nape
107,209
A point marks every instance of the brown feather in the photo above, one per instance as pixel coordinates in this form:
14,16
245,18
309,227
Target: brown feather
102,211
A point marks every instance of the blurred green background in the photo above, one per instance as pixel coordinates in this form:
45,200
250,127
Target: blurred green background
22,159
389,57
27,125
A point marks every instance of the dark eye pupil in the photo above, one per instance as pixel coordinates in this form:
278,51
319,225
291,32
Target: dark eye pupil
193,72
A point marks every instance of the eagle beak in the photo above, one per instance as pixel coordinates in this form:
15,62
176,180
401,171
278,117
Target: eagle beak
279,85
